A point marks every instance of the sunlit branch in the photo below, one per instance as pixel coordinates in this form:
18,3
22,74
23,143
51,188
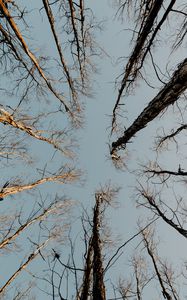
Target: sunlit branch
61,178
59,48
7,118
32,57
9,42
31,257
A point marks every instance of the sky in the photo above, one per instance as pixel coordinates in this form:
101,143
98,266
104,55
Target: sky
93,151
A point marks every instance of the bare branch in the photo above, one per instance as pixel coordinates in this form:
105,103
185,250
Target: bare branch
170,222
7,118
32,57
172,135
160,279
65,68
61,178
52,207
23,266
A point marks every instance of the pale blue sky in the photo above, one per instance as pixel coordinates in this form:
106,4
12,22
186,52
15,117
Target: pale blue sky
93,152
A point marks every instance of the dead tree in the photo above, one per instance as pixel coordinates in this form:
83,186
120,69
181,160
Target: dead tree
98,291
149,19
168,95
91,274
16,227
167,288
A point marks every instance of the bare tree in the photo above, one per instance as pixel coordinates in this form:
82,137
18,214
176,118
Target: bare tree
46,77
167,96
149,20
88,279
31,81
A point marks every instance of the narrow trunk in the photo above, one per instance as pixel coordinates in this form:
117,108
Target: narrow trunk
98,283
87,272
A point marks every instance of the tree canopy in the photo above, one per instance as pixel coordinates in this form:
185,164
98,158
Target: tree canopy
93,149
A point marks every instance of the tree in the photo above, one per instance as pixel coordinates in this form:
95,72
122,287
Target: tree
51,246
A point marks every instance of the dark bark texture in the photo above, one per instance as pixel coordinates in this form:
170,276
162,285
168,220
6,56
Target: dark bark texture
168,95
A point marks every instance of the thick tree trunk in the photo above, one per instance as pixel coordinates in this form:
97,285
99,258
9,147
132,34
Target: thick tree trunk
167,96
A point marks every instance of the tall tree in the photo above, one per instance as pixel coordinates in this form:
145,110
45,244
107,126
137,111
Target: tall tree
61,247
